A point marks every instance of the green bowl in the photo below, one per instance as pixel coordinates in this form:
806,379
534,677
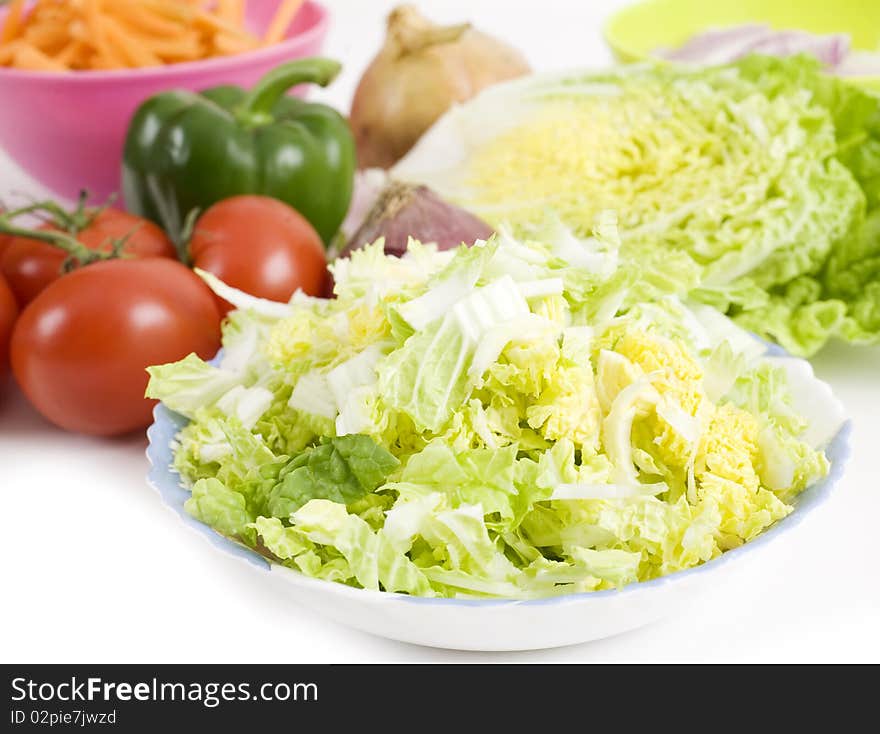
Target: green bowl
635,32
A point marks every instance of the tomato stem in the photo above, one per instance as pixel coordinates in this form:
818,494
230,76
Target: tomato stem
71,221
78,253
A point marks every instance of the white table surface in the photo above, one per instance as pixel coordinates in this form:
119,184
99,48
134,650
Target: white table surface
95,569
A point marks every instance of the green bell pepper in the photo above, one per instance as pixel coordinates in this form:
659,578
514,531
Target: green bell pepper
186,150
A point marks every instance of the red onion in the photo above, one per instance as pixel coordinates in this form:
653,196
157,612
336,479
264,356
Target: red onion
407,210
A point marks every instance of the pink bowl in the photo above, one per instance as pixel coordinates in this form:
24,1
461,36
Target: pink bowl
67,129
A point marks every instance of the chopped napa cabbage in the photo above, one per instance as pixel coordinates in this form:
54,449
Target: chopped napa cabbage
494,437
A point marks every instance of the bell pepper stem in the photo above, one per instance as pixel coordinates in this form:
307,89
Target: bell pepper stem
256,108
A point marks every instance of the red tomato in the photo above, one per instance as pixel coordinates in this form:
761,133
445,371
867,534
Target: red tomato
261,246
79,350
30,265
5,239
8,314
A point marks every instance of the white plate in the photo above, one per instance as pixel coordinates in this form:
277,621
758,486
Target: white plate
511,624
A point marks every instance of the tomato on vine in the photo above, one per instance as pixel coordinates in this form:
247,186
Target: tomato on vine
80,349
30,264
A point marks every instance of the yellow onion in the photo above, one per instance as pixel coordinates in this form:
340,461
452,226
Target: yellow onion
420,72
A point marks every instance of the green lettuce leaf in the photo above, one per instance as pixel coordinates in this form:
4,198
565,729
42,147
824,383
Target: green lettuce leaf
189,384
283,542
428,377
220,447
222,508
371,557
494,479
343,469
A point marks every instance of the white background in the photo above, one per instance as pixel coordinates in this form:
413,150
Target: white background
95,569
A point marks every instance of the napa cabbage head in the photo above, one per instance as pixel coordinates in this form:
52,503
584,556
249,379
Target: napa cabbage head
761,175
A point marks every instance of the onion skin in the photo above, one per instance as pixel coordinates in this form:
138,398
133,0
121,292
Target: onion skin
420,72
369,183
406,210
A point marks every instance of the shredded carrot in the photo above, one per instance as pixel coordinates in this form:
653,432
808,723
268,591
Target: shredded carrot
28,57
216,24
7,52
73,55
232,11
185,47
96,25
111,34
48,39
12,26
180,11
142,19
227,44
134,52
281,22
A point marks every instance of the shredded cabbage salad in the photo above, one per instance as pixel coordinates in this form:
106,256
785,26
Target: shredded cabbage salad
762,175
521,418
